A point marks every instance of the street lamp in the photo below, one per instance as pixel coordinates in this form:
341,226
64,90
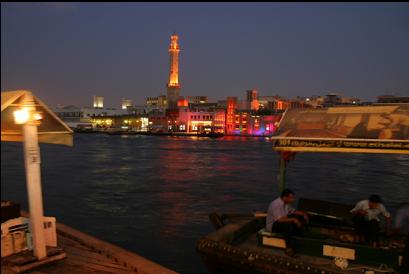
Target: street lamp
24,115
21,121
21,116
29,118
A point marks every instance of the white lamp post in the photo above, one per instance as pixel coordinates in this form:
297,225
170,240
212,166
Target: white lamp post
30,119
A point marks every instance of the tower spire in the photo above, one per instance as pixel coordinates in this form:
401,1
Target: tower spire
173,86
174,61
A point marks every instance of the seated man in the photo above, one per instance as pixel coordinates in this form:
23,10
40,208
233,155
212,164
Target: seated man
282,218
366,219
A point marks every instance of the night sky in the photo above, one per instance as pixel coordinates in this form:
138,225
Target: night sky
66,53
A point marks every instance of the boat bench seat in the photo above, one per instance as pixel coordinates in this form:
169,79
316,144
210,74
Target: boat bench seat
271,239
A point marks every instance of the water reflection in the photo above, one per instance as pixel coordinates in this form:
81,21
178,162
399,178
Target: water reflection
152,195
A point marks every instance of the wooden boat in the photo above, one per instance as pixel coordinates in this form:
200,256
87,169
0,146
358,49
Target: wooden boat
240,243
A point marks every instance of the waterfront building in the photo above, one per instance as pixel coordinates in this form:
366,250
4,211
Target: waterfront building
88,112
182,102
315,101
332,99
125,122
197,99
387,99
265,102
336,99
350,101
221,104
296,103
173,85
75,116
156,103
219,121
198,117
253,123
98,102
209,107
268,124
231,109
241,119
158,122
71,115
273,103
137,110
252,100
279,105
262,125
194,120
126,103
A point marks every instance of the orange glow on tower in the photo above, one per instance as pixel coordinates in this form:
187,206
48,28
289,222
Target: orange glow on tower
173,86
174,61
183,103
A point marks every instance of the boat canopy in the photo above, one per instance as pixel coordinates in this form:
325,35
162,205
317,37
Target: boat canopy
51,130
361,129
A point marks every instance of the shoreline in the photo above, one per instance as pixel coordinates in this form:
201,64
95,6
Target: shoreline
169,134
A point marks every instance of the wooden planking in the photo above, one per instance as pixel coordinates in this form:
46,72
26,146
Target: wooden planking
87,254
91,261
115,253
80,259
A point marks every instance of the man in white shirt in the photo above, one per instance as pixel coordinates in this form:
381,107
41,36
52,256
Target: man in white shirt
366,219
284,219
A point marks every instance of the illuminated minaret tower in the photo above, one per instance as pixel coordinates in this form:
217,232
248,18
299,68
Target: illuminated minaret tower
173,85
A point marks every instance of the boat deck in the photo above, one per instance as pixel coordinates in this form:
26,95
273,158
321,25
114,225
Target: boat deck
86,254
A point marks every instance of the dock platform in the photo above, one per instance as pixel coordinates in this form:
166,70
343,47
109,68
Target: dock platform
87,254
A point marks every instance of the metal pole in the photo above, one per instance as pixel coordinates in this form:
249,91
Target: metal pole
282,172
33,180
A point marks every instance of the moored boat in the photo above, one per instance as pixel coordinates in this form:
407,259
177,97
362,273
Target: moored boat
329,244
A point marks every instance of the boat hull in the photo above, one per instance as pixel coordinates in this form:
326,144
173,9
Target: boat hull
236,248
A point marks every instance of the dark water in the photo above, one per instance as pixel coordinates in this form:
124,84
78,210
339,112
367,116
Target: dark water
151,195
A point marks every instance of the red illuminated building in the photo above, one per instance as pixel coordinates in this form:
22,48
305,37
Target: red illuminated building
231,109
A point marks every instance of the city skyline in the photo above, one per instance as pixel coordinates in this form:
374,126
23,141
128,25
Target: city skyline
75,58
